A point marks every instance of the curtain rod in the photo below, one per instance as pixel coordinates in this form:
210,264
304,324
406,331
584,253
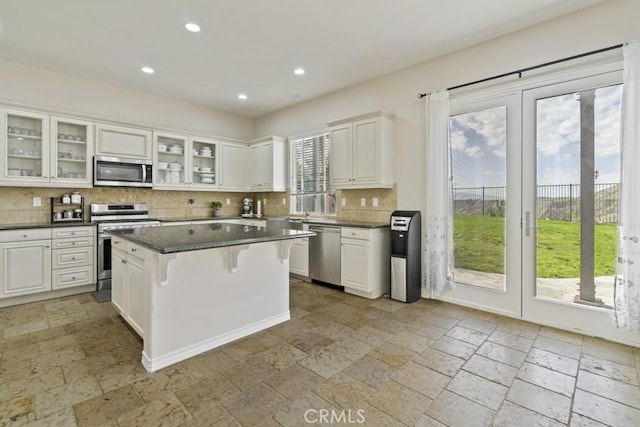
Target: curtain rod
522,70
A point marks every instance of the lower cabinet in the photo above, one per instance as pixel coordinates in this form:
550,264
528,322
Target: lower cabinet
25,267
365,261
40,260
73,257
127,280
299,258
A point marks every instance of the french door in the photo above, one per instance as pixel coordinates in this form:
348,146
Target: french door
486,186
570,199
535,177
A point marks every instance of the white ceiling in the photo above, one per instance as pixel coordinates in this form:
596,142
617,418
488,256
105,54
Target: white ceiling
252,46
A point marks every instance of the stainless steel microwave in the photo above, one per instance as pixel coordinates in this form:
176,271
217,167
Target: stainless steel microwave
120,172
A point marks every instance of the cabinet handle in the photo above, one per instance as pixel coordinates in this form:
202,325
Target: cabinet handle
25,235
73,258
47,247
117,242
133,249
73,243
73,277
124,261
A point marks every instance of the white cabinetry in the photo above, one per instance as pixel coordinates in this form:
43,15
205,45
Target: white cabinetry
185,162
233,175
268,164
73,257
365,261
39,150
24,138
25,262
362,151
299,256
71,152
127,283
171,161
121,141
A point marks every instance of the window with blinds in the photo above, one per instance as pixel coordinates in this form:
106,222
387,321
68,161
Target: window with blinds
310,189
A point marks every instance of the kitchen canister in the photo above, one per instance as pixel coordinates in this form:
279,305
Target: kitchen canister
66,199
76,198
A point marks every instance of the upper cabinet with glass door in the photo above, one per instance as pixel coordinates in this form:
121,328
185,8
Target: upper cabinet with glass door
171,161
204,163
24,152
71,152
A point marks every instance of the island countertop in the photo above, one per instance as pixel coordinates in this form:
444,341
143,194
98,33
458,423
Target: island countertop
182,238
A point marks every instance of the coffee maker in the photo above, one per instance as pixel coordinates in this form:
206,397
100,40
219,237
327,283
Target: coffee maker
247,207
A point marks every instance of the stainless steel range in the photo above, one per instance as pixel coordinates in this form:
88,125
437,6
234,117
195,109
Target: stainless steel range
111,217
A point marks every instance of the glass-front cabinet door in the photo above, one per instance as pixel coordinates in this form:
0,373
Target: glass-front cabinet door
71,151
204,154
25,157
170,160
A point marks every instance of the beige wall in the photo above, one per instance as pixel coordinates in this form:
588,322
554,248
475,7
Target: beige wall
35,87
604,24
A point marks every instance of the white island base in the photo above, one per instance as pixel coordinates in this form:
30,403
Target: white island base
186,303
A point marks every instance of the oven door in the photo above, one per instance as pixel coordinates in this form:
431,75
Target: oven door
118,172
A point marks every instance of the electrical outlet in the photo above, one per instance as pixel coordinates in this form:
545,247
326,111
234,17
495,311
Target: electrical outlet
363,202
284,201
374,202
264,202
343,201
37,202
228,201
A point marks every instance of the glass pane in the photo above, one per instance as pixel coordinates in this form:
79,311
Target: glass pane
24,146
71,155
478,143
578,177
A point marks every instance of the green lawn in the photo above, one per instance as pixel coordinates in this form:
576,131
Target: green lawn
479,245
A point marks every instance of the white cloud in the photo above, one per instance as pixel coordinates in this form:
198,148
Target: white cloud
489,125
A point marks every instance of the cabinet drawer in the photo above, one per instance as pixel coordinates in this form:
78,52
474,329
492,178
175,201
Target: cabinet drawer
62,258
72,243
70,277
355,233
25,234
68,232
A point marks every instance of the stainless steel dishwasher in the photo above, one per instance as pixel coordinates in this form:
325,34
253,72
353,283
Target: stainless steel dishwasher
324,254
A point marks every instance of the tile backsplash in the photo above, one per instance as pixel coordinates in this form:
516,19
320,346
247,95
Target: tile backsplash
17,202
354,211
16,205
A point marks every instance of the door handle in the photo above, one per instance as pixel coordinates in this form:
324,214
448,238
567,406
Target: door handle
527,224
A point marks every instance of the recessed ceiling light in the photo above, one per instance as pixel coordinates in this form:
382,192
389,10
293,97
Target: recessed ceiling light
194,28
242,96
147,70
298,71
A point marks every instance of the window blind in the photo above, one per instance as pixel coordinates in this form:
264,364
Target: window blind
310,187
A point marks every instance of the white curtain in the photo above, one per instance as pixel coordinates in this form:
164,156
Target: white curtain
627,289
438,209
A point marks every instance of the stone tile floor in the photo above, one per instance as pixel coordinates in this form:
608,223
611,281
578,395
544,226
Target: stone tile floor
340,360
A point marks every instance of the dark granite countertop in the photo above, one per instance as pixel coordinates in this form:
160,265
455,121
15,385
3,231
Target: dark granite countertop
342,222
43,225
199,218
182,238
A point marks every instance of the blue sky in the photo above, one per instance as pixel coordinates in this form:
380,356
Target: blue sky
478,142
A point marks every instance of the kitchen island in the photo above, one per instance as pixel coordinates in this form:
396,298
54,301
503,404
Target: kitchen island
189,288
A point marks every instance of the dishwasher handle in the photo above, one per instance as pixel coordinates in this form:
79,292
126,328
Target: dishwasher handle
317,229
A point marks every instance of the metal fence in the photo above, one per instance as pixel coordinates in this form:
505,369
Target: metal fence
554,202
